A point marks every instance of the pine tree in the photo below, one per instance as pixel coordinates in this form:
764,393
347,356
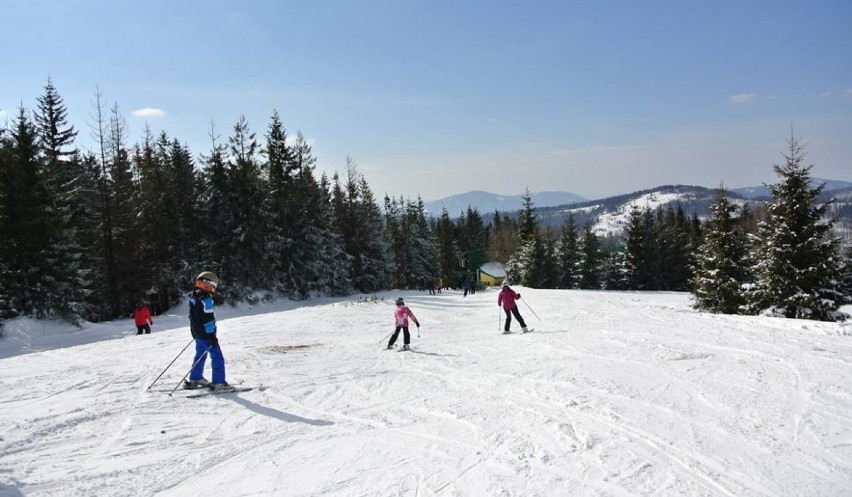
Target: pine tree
568,255
60,173
248,262
283,204
106,277
6,243
796,271
327,265
642,251
27,230
720,262
359,220
472,239
448,251
126,234
398,243
503,239
846,275
674,248
590,262
213,212
616,270
534,263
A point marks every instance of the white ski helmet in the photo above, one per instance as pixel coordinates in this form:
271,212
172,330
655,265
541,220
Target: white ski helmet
207,280
504,284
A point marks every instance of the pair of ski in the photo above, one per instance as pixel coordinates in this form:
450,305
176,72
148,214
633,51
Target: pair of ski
530,330
205,391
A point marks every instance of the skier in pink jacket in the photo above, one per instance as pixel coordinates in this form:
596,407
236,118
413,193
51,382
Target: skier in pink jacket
401,320
507,298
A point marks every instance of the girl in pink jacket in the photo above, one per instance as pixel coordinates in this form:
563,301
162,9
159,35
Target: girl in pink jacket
507,298
401,319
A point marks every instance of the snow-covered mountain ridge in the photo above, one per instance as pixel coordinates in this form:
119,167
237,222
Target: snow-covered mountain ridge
609,216
486,202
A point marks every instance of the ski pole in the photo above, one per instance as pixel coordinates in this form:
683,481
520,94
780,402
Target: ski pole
200,357
418,331
531,309
386,337
170,364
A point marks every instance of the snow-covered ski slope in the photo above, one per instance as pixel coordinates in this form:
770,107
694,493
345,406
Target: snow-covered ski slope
615,394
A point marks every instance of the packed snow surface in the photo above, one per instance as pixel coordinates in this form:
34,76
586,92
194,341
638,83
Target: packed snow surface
613,394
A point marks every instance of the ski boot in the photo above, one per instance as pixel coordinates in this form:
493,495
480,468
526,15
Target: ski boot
193,384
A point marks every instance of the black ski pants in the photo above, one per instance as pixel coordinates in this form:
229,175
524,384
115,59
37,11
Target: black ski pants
406,336
517,314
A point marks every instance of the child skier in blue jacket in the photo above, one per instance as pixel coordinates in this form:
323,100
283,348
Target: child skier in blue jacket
202,323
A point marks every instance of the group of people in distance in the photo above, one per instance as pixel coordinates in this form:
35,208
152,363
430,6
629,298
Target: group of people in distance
202,324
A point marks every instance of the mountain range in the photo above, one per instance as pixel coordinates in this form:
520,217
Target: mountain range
486,202
608,216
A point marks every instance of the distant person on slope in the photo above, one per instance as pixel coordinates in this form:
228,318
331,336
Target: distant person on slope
142,318
401,316
202,323
507,298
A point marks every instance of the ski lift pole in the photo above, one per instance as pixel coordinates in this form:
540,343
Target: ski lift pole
200,357
531,309
170,364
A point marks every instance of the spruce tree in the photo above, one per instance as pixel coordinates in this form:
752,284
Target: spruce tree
590,262
126,268
846,275
326,264
6,164
360,222
568,255
503,238
675,248
27,230
283,204
720,268
534,263
796,271
213,212
248,262
448,251
60,173
642,251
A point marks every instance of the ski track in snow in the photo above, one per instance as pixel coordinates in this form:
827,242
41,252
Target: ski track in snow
614,394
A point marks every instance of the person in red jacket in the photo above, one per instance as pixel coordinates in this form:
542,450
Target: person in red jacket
507,298
142,318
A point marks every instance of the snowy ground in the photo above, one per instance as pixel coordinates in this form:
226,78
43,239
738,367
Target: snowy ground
614,394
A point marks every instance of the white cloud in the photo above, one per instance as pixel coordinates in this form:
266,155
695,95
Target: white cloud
825,94
149,112
741,98
3,112
849,91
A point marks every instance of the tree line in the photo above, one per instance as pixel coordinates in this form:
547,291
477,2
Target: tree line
86,234
782,258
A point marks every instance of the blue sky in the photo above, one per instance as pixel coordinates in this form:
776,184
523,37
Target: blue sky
434,98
